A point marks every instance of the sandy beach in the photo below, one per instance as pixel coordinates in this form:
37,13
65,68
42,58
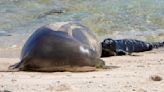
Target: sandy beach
117,19
126,74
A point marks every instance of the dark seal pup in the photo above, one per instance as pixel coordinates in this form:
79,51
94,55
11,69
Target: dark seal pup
112,47
61,46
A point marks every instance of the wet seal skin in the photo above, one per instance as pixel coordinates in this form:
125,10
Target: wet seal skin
112,47
61,46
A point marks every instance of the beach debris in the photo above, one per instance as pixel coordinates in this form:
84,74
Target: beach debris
13,46
94,77
57,82
68,75
133,89
141,90
63,87
90,82
13,80
140,66
5,91
156,78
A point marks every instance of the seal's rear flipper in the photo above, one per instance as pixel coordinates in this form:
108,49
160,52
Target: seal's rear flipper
9,69
14,67
157,44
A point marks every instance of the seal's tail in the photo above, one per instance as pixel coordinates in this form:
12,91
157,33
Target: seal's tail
11,68
157,44
14,67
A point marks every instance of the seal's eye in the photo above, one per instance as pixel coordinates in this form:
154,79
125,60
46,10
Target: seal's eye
108,44
108,41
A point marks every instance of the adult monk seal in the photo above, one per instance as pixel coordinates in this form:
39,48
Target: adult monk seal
112,47
61,46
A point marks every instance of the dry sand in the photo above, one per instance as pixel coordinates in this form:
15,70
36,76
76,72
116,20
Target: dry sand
126,74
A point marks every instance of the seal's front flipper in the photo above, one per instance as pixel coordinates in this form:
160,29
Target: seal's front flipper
121,52
100,63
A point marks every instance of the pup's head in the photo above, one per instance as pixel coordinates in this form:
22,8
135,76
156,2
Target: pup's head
108,47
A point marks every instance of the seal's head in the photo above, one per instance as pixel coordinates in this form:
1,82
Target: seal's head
108,47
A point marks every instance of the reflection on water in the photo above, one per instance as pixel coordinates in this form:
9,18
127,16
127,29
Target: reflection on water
139,19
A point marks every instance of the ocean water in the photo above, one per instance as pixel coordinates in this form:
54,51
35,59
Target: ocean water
117,19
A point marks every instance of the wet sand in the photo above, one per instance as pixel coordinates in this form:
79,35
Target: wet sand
126,74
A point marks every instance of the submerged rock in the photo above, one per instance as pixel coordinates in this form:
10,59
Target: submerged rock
4,33
53,11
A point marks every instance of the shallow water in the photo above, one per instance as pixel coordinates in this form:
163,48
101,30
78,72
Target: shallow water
137,19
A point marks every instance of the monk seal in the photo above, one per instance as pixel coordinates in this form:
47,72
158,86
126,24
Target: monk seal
112,47
61,46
